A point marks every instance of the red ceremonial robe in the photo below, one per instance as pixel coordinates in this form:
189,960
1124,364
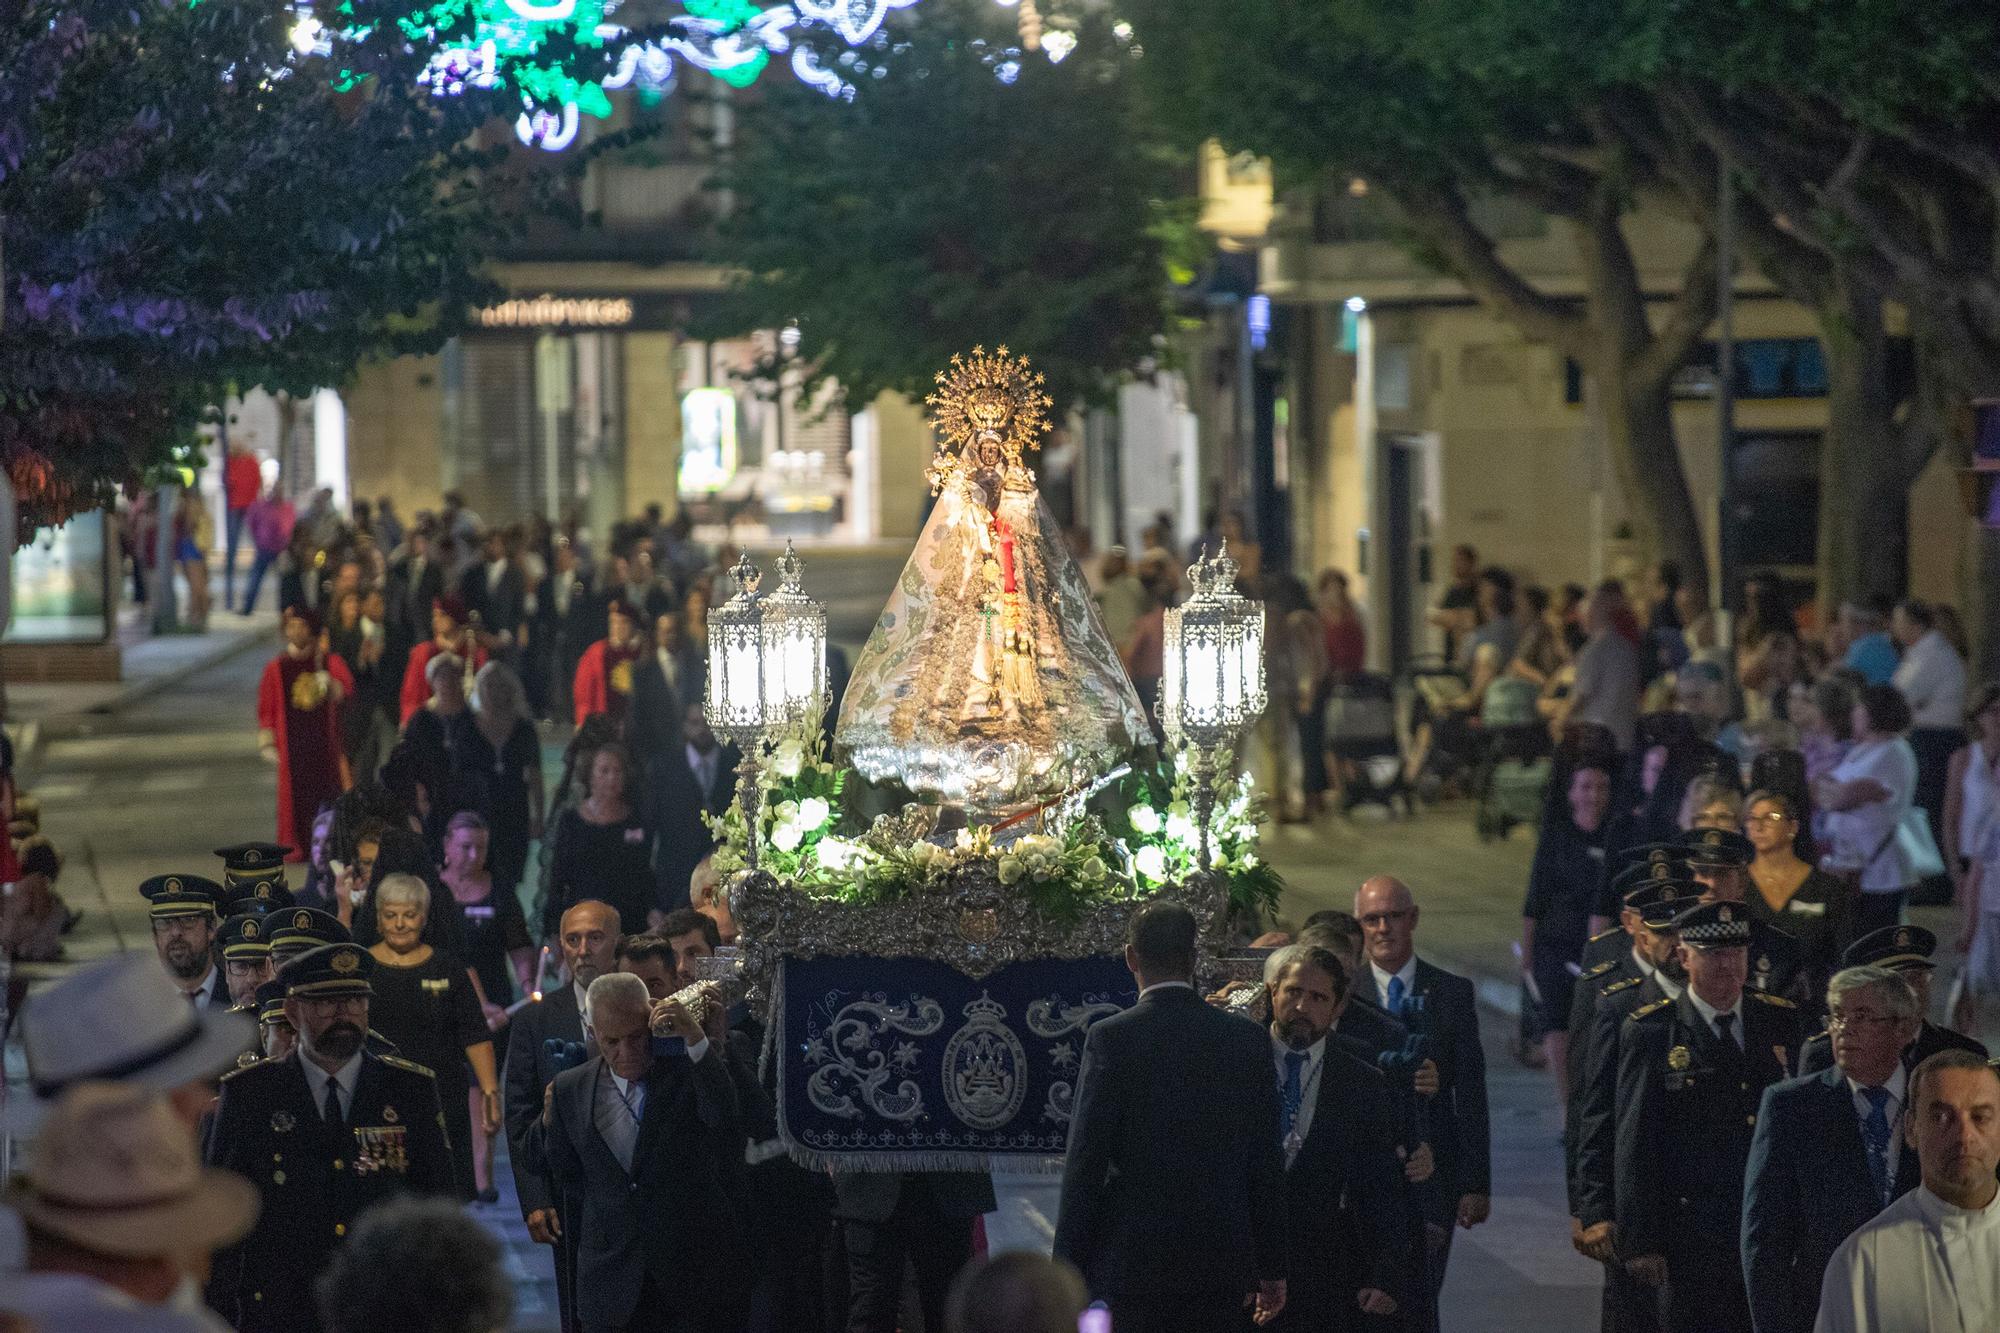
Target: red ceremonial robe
416,685
312,770
603,681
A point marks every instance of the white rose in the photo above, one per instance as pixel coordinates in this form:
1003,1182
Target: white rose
813,812
787,835
1180,828
837,853
1145,819
1151,862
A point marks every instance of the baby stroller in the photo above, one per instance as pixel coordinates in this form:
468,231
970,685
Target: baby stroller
1512,771
1361,737
1441,746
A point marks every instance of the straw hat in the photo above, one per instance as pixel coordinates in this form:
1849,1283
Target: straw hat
120,1018
115,1171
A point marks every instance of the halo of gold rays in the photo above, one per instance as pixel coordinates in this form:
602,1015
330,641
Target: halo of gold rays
994,398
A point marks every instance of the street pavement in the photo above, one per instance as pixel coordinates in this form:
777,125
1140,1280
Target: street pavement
154,786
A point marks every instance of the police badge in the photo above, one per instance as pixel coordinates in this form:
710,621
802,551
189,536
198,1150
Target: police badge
1679,1058
282,1122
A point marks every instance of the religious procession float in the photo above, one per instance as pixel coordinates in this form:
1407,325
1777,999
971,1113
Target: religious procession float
933,915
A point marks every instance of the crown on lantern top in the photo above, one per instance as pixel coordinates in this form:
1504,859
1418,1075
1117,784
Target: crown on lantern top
988,410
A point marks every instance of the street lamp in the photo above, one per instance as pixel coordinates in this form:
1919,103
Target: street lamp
1212,682
766,668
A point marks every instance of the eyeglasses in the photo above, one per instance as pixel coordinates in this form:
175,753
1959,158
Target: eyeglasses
1841,1022
1376,920
1769,817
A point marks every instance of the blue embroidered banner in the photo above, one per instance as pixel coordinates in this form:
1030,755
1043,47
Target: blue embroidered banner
903,1064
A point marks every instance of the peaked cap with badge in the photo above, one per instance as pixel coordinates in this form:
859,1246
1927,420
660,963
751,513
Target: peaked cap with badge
181,895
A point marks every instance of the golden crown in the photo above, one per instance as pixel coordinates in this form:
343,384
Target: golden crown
988,410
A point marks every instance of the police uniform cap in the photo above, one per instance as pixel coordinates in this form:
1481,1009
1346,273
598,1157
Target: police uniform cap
255,895
181,895
250,861
309,924
246,936
1708,847
1659,901
1719,925
270,1002
1892,946
329,971
1656,869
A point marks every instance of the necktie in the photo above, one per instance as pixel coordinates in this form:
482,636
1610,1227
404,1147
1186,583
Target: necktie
1725,1030
1875,1133
1294,1091
1396,995
194,998
333,1115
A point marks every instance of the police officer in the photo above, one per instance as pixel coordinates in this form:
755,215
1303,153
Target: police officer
275,1034
299,929
1691,1073
246,959
1720,861
253,877
1629,1306
183,912
322,1133
1622,875
1906,951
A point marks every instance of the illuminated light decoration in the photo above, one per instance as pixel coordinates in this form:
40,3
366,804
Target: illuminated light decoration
551,311
550,13
855,20
808,70
309,37
1058,43
1007,71
453,70
548,130
708,440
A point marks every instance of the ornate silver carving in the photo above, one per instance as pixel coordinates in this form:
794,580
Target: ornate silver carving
972,923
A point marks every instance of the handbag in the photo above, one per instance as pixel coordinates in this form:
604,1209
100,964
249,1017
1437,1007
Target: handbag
1915,847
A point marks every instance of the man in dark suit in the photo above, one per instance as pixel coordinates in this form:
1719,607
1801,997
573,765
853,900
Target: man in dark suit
1439,1006
697,778
416,580
1691,1075
1348,1227
1906,951
496,591
323,1134
563,623
541,1043
1719,860
651,1147
1829,1152
1173,1188
663,685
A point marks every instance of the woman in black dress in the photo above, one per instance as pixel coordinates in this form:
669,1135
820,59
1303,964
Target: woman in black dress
497,946
401,852
1562,888
1792,894
497,768
604,850
424,1002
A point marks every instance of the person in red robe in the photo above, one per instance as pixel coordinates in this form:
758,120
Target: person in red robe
452,631
298,726
604,673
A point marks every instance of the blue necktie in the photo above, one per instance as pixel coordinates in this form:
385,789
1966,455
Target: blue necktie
1396,994
1875,1133
1294,1092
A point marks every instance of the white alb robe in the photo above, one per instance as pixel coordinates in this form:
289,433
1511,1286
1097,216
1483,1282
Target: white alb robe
1921,1266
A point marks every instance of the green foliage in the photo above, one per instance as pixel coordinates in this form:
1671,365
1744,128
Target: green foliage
942,208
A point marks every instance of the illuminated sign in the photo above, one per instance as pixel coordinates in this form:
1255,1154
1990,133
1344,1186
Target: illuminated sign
549,311
708,440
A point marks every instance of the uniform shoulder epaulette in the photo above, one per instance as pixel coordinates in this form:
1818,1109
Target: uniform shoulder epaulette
1645,1010
1601,968
254,1067
1822,1035
1606,934
398,1062
1777,1000
1623,984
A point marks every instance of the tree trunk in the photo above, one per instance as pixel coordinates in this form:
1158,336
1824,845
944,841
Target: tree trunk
1864,488
1638,425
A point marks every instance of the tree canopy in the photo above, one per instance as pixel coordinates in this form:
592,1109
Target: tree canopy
945,206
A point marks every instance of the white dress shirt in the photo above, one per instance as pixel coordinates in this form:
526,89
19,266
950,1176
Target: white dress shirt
1932,677
1646,968
344,1077
1921,1266
1898,1084
703,768
1408,972
1308,1088
670,667
204,994
1710,1013
1165,985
